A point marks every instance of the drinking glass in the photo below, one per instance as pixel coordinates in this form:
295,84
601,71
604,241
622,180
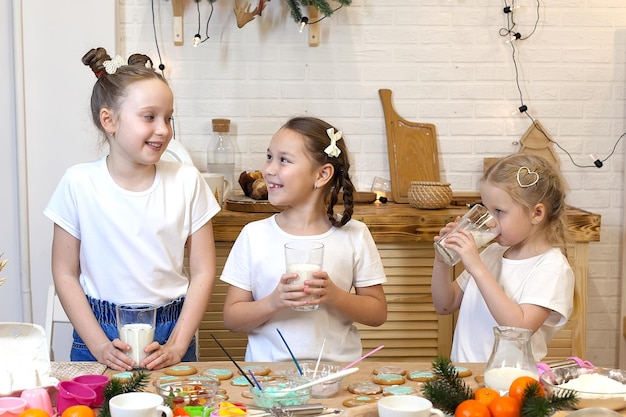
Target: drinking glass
304,257
136,323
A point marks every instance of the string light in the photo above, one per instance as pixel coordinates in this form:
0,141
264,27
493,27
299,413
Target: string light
303,22
196,40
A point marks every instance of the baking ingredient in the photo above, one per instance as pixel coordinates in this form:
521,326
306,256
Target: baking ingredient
518,387
486,395
505,407
138,336
595,383
472,408
34,412
78,411
501,378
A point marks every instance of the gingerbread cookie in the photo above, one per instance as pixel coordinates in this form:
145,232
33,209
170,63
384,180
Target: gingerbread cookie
421,376
242,381
389,370
257,370
389,379
399,390
180,370
462,371
246,394
123,376
365,388
219,373
356,401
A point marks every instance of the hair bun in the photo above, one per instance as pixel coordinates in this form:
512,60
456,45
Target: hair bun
94,59
140,60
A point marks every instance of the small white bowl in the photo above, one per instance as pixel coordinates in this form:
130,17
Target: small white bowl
407,406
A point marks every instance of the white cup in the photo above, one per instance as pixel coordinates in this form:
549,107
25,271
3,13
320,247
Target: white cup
138,404
220,187
304,257
479,222
136,323
406,406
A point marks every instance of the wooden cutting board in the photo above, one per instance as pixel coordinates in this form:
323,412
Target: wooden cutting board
239,202
412,149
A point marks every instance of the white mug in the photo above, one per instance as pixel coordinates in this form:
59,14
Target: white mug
220,187
138,404
406,406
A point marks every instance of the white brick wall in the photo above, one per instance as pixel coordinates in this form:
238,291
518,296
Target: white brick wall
446,64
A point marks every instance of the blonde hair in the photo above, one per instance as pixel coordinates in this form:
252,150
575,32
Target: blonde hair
530,179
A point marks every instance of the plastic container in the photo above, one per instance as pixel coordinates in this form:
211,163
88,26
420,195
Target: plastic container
273,394
12,406
97,383
187,392
221,151
73,393
325,389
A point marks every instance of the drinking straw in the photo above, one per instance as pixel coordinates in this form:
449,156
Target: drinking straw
363,357
290,352
232,360
254,379
317,364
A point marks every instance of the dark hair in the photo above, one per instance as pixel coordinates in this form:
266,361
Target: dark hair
530,179
317,139
110,89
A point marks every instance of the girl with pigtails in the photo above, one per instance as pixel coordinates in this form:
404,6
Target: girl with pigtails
122,222
307,167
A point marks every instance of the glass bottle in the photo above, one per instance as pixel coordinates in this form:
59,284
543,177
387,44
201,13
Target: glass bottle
511,357
220,151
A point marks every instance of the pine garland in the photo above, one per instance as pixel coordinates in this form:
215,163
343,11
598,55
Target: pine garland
321,5
137,382
447,390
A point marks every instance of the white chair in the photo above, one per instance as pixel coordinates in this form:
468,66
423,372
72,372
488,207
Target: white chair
54,314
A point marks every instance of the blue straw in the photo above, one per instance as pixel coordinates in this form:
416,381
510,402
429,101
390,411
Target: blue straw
255,381
290,352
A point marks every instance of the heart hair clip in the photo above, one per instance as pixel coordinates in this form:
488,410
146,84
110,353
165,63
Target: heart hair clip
526,178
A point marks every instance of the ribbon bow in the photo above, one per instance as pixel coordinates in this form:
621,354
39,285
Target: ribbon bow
333,150
112,65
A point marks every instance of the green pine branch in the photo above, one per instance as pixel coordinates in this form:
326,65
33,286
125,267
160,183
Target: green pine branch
447,390
137,382
322,5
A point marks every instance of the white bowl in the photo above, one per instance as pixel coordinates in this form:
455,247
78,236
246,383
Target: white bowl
592,397
406,406
325,389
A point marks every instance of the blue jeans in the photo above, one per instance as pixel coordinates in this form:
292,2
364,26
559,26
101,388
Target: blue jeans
105,314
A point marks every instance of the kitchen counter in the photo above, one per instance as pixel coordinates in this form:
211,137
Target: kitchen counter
404,237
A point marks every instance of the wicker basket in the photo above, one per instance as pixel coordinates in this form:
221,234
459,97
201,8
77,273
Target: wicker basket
429,195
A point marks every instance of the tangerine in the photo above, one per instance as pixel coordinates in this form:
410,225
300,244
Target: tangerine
472,408
34,412
505,407
486,395
518,387
78,411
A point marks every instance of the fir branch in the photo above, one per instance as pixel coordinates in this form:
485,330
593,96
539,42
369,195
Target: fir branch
137,382
447,390
535,404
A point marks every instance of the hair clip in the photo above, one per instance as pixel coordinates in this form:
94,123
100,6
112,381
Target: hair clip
333,150
112,65
533,175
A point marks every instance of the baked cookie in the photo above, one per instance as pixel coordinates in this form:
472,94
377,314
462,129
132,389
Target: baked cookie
219,373
257,370
246,394
201,378
180,370
389,379
242,381
463,371
123,376
389,370
421,376
356,401
365,388
399,390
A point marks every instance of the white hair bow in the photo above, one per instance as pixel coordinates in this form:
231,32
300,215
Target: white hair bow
333,150
112,65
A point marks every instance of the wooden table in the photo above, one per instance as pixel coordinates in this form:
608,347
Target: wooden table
365,373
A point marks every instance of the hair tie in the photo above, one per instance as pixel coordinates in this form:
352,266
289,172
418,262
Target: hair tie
333,150
532,174
112,65
100,73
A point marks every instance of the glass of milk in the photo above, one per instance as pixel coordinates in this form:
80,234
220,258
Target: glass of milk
135,324
304,257
477,221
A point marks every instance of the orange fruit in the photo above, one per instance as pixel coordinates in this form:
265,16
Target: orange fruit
518,386
78,411
34,412
472,408
486,395
505,407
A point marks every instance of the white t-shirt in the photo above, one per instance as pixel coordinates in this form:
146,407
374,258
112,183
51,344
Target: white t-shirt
545,280
132,243
256,264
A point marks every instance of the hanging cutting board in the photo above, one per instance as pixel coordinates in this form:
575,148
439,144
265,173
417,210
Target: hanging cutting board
412,149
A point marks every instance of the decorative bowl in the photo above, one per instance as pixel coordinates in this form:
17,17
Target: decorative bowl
594,387
429,194
187,391
274,394
325,389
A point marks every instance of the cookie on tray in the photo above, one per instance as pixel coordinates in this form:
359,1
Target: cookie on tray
389,379
398,390
219,373
359,400
180,370
462,371
365,388
257,370
421,376
389,370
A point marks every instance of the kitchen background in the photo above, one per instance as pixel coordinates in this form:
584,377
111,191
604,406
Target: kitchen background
446,62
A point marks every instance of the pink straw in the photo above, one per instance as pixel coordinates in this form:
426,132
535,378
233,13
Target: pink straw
363,357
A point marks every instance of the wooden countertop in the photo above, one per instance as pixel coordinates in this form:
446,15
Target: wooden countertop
365,373
392,222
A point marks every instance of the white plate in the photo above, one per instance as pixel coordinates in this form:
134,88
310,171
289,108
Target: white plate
177,152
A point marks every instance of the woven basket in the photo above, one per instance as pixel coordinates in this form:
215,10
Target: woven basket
429,195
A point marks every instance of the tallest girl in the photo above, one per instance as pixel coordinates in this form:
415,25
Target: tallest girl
121,224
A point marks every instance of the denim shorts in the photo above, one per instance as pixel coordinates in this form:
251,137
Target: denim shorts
166,318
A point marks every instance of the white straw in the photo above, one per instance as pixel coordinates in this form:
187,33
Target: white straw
326,378
319,358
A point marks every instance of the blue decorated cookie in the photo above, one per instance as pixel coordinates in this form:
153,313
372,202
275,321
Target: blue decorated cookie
421,376
462,371
359,400
399,390
389,379
219,373
180,370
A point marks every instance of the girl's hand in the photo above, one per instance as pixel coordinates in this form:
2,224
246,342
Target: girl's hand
462,242
444,230
322,286
112,354
161,356
288,295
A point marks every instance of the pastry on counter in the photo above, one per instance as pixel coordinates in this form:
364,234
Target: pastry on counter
253,185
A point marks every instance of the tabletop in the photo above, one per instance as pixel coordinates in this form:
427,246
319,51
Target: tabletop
365,373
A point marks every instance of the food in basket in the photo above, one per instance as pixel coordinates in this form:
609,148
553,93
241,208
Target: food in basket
253,185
